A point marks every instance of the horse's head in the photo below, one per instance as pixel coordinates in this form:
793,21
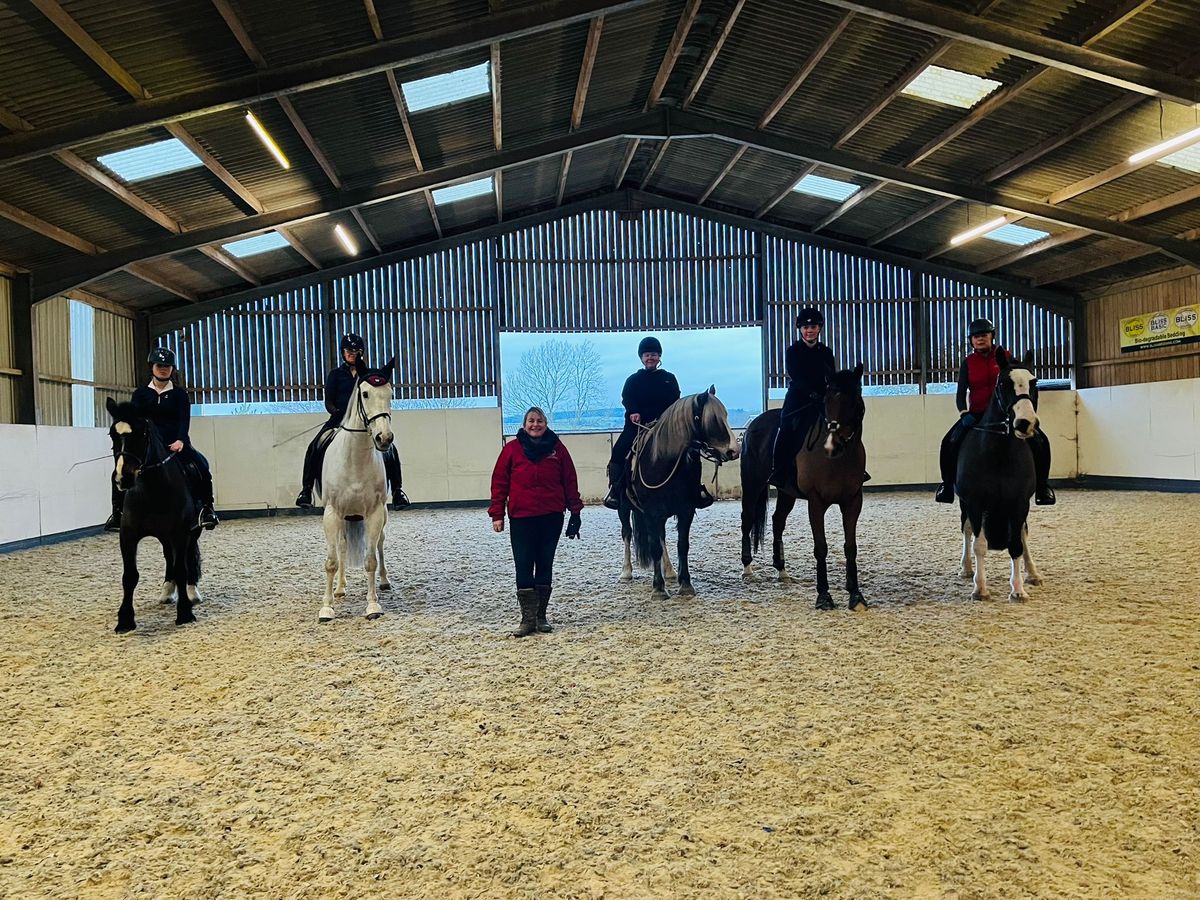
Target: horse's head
1016,394
373,403
136,444
844,410
711,422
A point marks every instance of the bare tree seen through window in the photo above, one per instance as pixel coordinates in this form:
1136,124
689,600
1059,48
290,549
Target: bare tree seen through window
565,378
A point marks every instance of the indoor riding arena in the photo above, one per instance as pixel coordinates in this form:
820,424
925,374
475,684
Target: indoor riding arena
291,287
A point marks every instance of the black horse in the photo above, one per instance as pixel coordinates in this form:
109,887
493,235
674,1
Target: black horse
158,503
996,478
830,471
662,481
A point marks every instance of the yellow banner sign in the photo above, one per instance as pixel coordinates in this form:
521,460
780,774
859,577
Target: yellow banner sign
1161,329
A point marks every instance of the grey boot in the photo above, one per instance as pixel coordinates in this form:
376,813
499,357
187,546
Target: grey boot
543,595
528,599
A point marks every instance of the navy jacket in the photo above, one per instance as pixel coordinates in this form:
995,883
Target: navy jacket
806,368
339,388
648,393
170,411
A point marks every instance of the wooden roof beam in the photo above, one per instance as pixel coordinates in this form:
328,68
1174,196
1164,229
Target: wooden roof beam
411,49
585,71
936,19
711,57
909,221
402,111
299,247
234,265
630,152
674,48
148,275
497,120
726,169
366,229
806,69
654,163
562,176
46,230
778,198
437,224
848,204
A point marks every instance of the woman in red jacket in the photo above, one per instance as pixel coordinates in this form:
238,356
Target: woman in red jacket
535,478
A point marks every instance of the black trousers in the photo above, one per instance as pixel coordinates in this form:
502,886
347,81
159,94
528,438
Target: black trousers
795,420
534,542
621,447
1039,446
314,455
199,476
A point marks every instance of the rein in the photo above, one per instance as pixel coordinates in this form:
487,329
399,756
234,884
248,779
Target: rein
696,445
362,414
1004,427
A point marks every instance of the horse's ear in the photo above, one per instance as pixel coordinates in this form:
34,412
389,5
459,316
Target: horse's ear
390,369
1027,360
712,389
858,371
111,406
1002,357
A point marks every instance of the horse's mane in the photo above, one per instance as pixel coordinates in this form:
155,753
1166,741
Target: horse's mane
846,381
673,432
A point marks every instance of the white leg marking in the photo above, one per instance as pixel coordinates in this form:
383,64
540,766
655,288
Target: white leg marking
374,526
194,594
627,568
333,529
981,591
168,592
965,569
1032,575
1017,586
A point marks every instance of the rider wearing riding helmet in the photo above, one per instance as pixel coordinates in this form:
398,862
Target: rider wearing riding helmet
976,383
808,363
646,395
168,406
339,389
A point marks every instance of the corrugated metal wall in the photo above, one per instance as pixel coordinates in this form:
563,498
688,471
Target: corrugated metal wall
441,315
52,353
1102,363
8,382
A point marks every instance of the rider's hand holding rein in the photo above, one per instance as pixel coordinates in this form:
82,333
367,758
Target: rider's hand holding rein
175,446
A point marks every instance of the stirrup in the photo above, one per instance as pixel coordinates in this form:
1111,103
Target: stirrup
1045,496
208,518
944,494
304,498
610,500
400,499
113,522
704,500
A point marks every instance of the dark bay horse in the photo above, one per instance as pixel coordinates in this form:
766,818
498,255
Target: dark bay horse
996,478
830,469
158,503
664,476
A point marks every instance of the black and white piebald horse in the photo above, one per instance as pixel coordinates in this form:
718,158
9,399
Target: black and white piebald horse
664,476
996,478
159,504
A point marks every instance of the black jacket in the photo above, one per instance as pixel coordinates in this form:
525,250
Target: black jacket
170,411
648,393
806,368
339,388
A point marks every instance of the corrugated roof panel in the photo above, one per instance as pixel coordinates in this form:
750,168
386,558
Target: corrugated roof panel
472,213
357,126
1063,21
1150,183
757,178
195,272
689,166
168,46
883,208
530,187
1162,35
400,222
632,46
299,31
403,17
123,288
538,76
1146,265
594,168
22,247
454,134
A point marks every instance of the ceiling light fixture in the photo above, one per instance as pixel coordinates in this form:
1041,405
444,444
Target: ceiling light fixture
971,233
1176,143
267,140
344,237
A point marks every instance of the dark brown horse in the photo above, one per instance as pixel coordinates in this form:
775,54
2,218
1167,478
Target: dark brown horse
830,469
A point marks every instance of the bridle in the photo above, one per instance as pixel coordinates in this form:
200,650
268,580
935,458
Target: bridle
138,464
362,409
698,443
842,434
1004,426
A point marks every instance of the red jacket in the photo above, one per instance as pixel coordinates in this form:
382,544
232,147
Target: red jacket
533,488
977,380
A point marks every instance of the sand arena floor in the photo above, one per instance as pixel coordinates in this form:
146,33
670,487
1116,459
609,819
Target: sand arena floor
736,744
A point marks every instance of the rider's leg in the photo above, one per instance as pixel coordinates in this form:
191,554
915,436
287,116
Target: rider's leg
203,486
113,522
1043,494
314,455
391,464
783,454
948,462
617,465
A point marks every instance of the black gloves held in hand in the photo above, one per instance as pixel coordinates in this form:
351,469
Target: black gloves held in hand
573,526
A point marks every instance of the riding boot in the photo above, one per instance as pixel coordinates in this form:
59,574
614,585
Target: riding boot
113,523
948,462
208,518
612,498
308,477
703,498
304,498
543,595
391,463
528,600
783,462
1043,494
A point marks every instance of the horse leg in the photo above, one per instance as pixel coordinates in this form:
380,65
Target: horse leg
129,580
668,569
168,586
850,512
374,526
964,569
683,528
193,568
816,520
340,590
783,507
1032,575
1016,550
384,583
333,529
627,538
980,547
659,588
179,556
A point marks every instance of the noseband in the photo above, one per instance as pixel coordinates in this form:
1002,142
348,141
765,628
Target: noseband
139,466
699,444
362,413
1006,411
841,434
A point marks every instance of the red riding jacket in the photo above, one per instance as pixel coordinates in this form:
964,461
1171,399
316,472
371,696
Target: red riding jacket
978,374
529,488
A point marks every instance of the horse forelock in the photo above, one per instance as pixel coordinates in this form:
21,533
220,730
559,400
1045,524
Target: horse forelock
846,381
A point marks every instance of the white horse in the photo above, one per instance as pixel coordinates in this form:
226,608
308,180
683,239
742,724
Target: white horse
354,489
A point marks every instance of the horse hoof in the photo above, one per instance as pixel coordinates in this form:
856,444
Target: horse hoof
980,595
124,629
385,586
686,590
185,620
749,577
857,600
339,595
1035,580
372,616
966,574
625,579
659,595
672,579
326,614
784,577
1014,597
825,601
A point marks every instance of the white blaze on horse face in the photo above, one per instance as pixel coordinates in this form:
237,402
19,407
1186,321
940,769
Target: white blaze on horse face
1022,381
829,442
122,428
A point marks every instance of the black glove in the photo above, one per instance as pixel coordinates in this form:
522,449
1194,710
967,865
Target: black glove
573,526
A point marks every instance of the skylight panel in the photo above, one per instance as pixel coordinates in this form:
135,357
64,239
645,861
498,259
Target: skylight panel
252,246
150,160
950,86
464,191
449,87
1017,235
828,188
1188,158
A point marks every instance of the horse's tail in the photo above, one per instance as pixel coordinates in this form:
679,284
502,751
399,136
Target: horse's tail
643,536
355,531
755,462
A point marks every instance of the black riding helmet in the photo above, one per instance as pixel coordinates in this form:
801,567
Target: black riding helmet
810,315
981,326
161,356
649,345
353,342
